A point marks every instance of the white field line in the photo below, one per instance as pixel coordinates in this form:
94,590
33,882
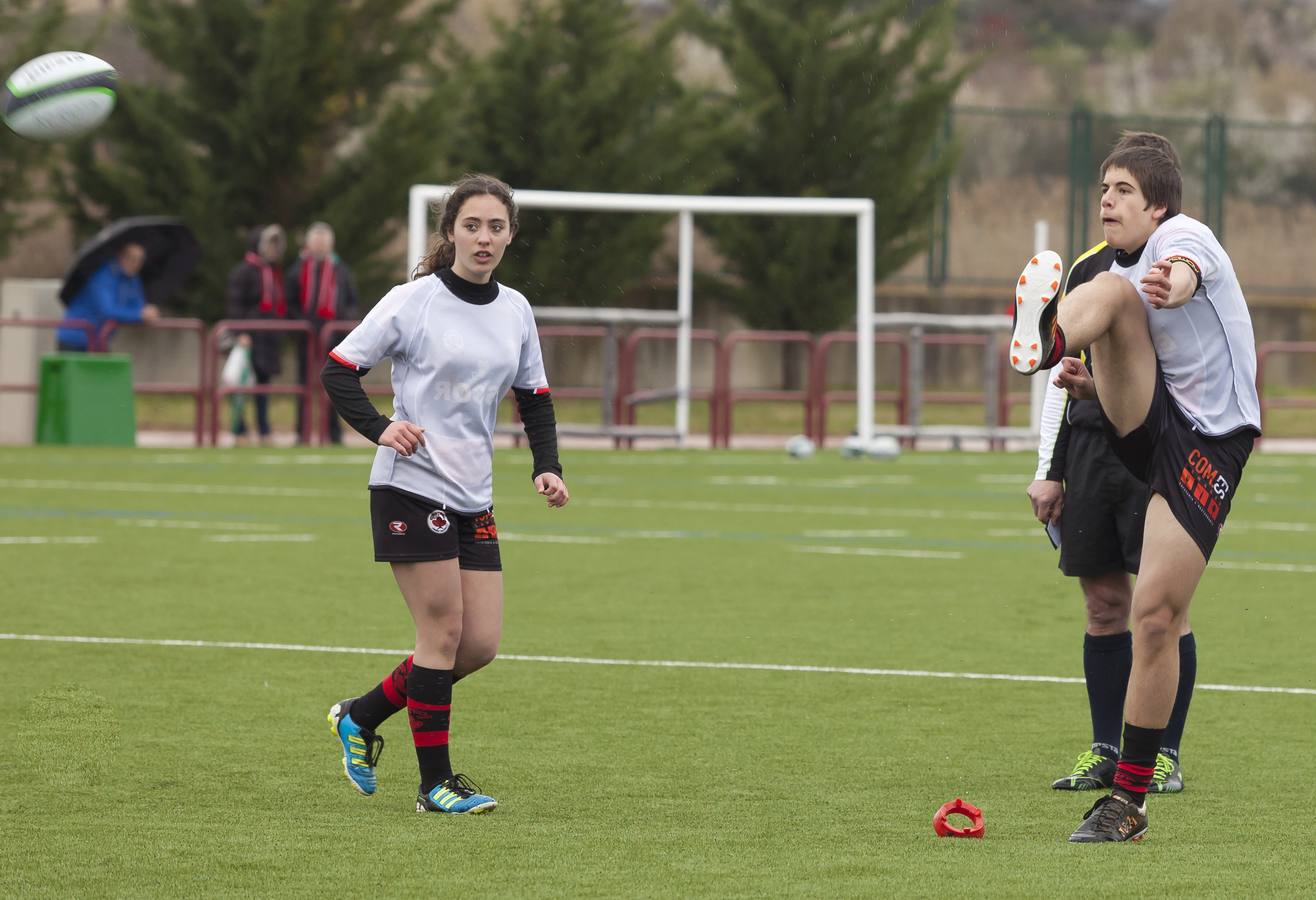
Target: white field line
194,525
787,509
1271,526
551,538
8,541
632,663
882,551
164,487
259,538
835,533
1264,567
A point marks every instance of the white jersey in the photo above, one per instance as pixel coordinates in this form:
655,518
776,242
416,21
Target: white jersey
1206,347
453,361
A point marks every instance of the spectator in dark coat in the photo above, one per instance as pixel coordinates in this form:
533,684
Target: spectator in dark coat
320,289
255,291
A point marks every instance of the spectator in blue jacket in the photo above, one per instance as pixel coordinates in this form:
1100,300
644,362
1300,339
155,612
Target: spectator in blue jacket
114,292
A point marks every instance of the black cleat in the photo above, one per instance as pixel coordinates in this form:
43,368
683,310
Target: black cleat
1037,342
1112,818
1168,778
1092,772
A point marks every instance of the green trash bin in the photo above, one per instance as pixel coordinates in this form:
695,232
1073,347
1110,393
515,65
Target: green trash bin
86,398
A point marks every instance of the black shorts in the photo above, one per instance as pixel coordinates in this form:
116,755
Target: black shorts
1197,474
408,528
1105,507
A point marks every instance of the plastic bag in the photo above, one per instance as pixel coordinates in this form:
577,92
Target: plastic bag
237,368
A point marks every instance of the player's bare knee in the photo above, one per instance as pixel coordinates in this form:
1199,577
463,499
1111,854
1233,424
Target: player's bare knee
440,634
480,657
1156,623
1107,600
1116,287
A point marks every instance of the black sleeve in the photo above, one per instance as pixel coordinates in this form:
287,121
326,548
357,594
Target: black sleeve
540,430
343,385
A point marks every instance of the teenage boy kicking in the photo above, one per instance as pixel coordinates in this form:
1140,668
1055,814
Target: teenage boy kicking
1175,374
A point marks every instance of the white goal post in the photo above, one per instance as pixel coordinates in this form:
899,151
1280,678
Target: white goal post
685,207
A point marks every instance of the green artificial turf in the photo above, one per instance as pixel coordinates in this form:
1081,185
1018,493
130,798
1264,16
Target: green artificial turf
144,770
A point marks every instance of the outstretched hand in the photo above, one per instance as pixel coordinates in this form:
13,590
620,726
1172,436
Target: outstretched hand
1075,378
403,436
553,488
1156,284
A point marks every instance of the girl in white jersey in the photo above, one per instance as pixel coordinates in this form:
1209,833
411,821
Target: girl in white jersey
457,341
1175,375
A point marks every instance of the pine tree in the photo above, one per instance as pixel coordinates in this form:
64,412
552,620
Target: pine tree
281,111
31,28
575,97
830,99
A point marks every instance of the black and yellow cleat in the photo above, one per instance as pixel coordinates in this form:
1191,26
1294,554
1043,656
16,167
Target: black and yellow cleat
1112,818
1168,777
1092,772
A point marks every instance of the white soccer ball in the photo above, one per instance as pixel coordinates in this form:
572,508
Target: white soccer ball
59,95
852,447
884,446
800,447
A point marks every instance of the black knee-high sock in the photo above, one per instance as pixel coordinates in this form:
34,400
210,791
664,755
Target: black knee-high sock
1107,660
1137,761
390,695
1187,678
429,707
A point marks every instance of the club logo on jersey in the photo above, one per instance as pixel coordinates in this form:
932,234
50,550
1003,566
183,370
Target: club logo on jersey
397,527
438,521
1204,483
453,341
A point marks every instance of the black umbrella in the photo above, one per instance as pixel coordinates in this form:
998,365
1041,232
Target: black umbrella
172,252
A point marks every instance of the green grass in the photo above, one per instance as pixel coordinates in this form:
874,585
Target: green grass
168,771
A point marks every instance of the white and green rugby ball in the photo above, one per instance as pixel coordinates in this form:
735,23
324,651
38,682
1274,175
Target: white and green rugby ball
59,95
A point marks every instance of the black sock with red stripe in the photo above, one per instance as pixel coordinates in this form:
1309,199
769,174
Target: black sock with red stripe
1137,761
390,695
429,706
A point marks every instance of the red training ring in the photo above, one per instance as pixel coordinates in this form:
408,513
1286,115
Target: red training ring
958,806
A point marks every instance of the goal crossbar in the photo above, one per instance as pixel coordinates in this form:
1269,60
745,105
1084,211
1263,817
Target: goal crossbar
685,207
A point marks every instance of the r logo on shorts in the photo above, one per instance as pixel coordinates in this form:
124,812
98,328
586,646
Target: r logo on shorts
470,538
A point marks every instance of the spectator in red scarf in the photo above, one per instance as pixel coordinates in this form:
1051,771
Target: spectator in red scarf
320,289
255,291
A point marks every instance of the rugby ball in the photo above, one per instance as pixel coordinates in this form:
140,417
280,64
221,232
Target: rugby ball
59,96
800,447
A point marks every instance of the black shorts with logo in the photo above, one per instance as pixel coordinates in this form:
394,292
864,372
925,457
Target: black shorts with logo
409,528
1197,474
1105,507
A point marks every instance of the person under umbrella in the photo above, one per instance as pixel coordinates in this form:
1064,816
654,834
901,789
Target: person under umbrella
113,293
124,273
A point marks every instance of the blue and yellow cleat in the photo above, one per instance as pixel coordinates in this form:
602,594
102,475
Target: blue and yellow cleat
361,747
455,795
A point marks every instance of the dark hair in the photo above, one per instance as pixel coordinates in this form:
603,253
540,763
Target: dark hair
1157,174
441,250
1148,139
